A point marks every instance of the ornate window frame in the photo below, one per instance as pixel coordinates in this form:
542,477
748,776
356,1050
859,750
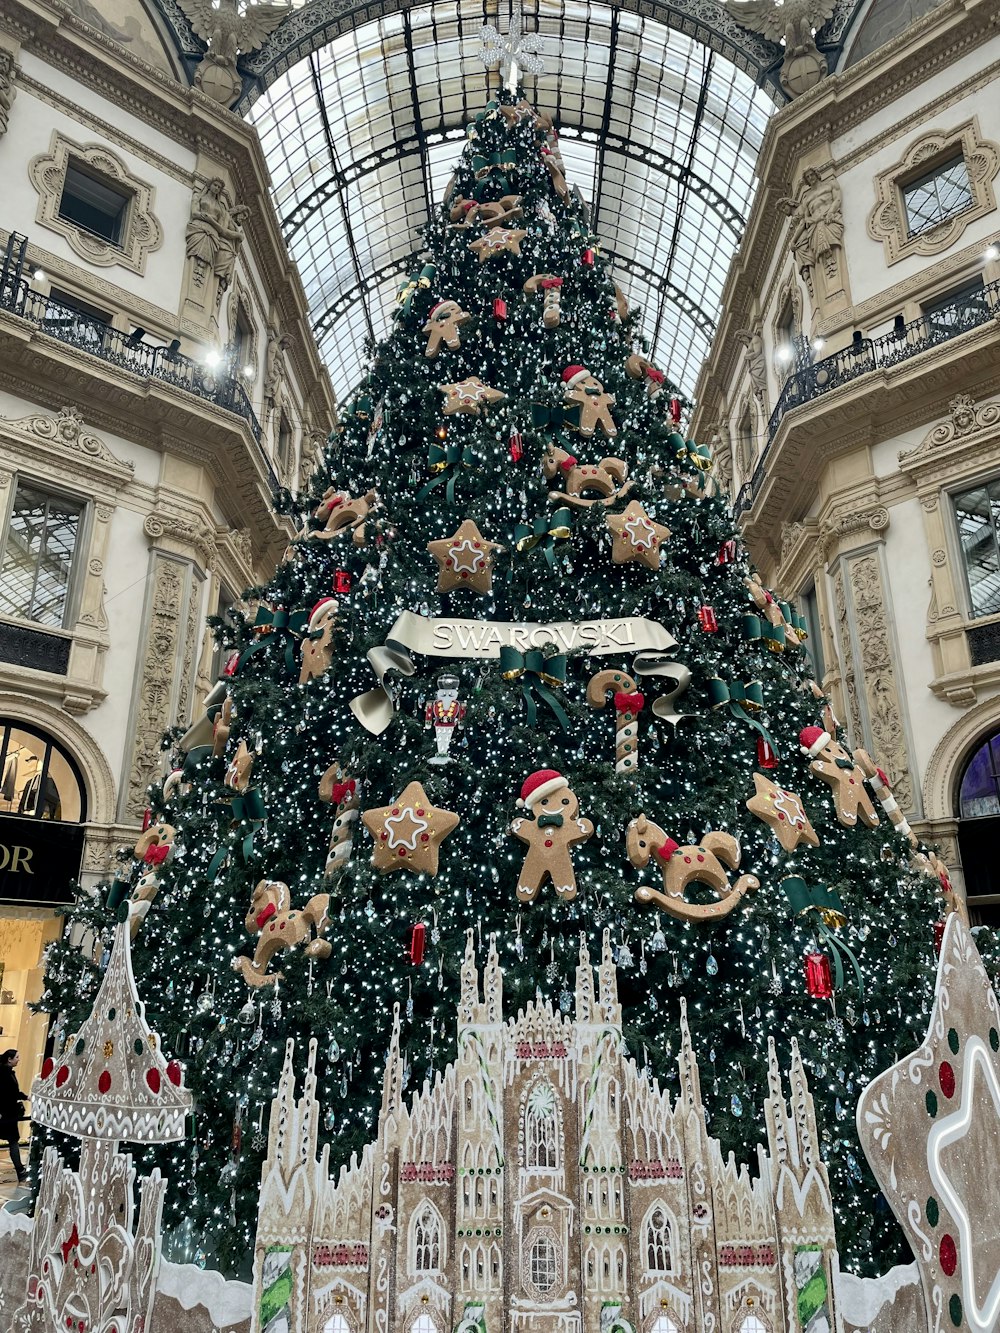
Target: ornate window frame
887,220
669,1230
141,231
788,294
59,452
416,1225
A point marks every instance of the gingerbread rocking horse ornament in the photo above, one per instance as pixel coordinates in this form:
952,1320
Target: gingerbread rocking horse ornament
704,863
279,927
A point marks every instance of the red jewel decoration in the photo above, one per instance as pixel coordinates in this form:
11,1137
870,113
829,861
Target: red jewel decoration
819,981
418,937
675,410
727,552
147,818
587,257
174,1073
766,758
62,1076
516,446
707,619
341,581
232,662
947,1255
938,937
104,1083
153,1079
946,1077
47,1067
500,309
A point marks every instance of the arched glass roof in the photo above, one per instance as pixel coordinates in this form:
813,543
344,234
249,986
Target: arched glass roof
659,133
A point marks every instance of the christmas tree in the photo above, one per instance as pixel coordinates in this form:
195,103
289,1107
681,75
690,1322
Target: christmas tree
515,674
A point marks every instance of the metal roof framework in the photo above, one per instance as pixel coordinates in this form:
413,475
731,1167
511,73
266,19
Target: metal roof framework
658,131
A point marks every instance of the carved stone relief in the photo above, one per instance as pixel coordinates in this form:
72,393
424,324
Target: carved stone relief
756,363
274,365
141,232
887,221
213,239
9,71
846,655
816,238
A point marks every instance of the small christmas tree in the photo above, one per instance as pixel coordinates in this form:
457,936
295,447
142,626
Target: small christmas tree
515,675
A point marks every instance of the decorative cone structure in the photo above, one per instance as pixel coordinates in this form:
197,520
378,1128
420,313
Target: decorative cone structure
89,1271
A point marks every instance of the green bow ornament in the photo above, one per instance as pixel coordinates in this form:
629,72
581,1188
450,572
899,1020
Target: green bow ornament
549,421
536,673
825,910
289,625
742,701
419,280
547,529
441,458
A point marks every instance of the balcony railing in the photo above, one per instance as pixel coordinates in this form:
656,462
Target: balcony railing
811,379
219,385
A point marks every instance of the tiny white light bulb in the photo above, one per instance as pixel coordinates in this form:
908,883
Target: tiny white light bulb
249,370
819,344
992,252
212,359
39,275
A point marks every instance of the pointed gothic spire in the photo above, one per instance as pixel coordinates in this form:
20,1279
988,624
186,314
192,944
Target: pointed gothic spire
688,1065
584,985
493,985
469,999
392,1082
611,1010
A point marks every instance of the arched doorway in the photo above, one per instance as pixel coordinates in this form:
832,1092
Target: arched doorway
43,806
979,831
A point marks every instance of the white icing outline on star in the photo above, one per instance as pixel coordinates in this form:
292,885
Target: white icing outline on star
407,812
636,522
477,557
946,1132
793,811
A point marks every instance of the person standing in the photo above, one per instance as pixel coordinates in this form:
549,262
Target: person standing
11,1109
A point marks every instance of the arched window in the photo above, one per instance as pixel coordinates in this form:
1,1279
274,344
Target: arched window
663,1324
979,828
979,796
657,1241
37,779
541,1128
544,1263
423,1324
336,1324
427,1241
751,1324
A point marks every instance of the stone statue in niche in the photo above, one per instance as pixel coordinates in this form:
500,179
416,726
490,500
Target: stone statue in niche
212,241
756,360
817,233
8,73
274,364
228,32
792,23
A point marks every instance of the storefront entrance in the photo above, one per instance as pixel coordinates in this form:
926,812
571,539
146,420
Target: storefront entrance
42,812
979,832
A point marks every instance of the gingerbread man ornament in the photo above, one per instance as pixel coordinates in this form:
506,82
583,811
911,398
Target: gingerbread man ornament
554,826
317,644
443,324
832,763
580,387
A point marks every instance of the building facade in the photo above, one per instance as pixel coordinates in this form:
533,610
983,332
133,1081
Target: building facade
852,393
158,384
544,1184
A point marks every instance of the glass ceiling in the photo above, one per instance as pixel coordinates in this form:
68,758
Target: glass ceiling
659,134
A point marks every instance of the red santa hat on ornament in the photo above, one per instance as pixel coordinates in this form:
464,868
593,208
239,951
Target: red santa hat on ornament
574,375
539,785
321,609
813,741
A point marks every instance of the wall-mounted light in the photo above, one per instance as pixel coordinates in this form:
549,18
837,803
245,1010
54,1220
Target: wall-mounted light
212,358
992,252
784,354
249,370
39,275
819,344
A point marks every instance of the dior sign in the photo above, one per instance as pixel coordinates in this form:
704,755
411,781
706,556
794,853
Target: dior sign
39,860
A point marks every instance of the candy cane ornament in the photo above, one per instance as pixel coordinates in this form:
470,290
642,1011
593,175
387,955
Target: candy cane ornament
628,705
337,789
879,784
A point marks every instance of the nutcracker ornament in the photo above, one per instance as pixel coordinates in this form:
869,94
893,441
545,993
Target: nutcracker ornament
444,713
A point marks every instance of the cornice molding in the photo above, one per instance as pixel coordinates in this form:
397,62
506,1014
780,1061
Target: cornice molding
68,445
960,435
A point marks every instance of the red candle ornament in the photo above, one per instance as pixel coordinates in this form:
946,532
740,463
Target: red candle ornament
707,619
147,818
819,979
938,937
500,309
516,446
418,937
587,257
232,664
766,758
341,581
728,551
675,410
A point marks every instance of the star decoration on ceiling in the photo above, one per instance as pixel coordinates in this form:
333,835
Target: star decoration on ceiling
636,536
409,832
469,396
498,241
785,813
465,559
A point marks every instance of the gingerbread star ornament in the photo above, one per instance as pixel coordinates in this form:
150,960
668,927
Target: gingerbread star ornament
465,559
469,396
636,536
498,241
832,763
408,833
784,811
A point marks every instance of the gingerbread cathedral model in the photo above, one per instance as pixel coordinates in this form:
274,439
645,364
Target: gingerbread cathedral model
543,1183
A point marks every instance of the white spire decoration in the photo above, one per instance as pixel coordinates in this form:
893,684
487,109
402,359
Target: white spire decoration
515,54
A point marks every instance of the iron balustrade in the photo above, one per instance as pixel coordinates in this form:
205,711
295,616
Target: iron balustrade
221,386
811,379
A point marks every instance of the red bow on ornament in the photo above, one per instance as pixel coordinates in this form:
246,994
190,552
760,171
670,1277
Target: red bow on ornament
657,376
568,462
547,284
629,703
156,855
667,850
341,791
264,915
